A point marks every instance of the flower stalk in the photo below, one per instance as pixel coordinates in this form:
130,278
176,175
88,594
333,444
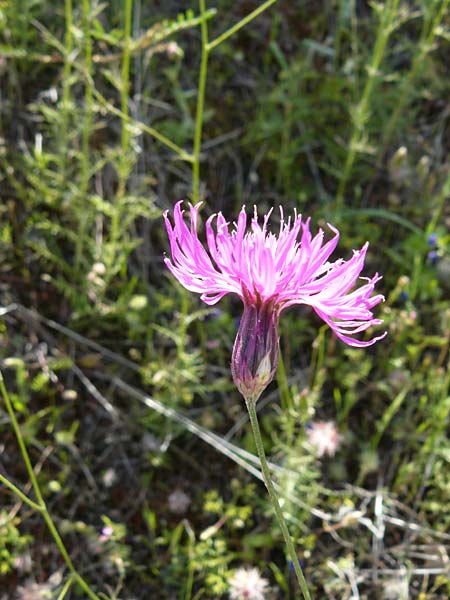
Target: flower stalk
251,407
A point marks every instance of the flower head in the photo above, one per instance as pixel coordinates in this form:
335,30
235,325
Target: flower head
247,584
432,239
433,257
324,436
178,502
107,533
270,273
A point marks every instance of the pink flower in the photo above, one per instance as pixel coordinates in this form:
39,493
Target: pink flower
325,437
107,532
270,273
247,584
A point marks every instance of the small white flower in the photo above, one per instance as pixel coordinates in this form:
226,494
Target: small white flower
397,589
109,478
324,436
247,584
178,502
173,49
23,563
34,591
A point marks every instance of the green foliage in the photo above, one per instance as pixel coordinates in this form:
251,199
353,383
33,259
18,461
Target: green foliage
110,113
12,542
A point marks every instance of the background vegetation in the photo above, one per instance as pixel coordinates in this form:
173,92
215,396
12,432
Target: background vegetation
120,379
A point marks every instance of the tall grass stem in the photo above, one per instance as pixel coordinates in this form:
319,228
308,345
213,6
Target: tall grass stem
85,165
200,105
229,32
206,48
361,112
66,81
20,494
125,135
41,506
125,74
430,29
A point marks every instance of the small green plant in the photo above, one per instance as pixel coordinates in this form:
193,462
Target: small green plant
12,542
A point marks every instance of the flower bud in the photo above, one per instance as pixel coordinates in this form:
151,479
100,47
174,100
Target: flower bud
255,352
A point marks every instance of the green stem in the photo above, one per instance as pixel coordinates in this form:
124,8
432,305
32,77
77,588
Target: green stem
200,106
125,76
41,506
19,493
424,46
65,589
229,32
68,46
144,128
419,259
21,442
337,35
87,127
206,48
251,407
78,578
88,93
123,169
362,109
